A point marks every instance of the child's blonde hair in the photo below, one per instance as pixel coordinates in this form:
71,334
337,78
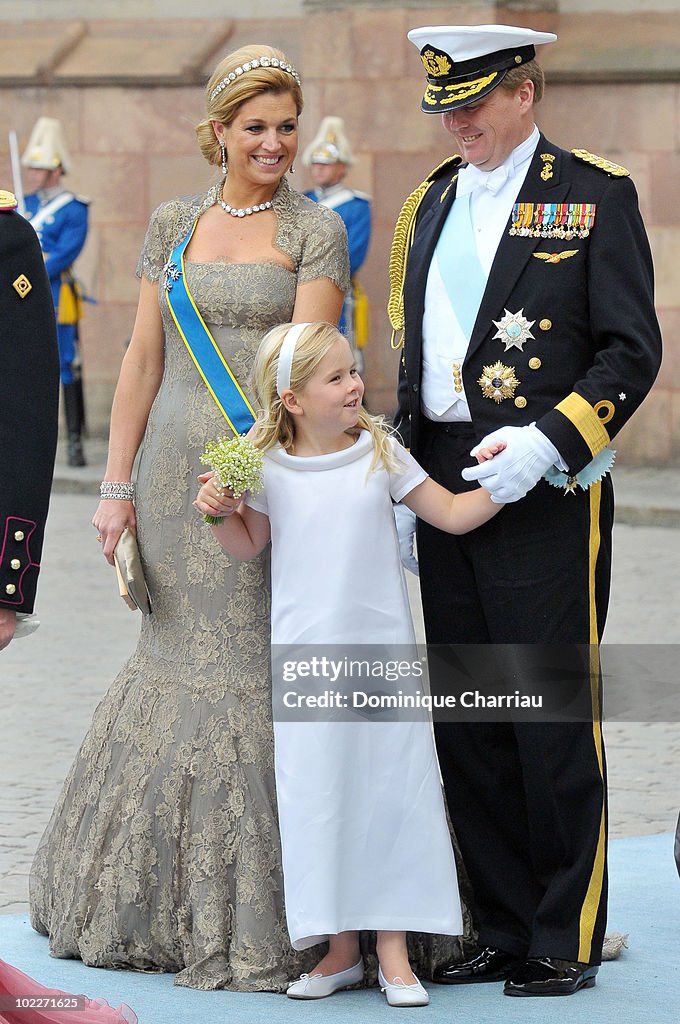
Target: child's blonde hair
275,425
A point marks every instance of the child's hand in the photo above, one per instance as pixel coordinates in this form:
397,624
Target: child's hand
213,500
484,454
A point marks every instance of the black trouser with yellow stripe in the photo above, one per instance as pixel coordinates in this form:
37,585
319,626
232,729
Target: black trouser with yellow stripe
527,799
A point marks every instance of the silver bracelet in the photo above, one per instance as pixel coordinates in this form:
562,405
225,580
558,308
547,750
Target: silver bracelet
118,490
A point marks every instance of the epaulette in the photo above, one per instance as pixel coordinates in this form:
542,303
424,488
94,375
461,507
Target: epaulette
8,201
613,170
85,200
361,195
401,243
451,161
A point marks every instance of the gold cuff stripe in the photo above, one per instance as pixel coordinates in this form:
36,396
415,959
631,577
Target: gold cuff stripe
581,413
591,902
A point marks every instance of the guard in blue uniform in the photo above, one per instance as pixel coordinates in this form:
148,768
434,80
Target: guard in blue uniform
329,157
29,398
522,280
60,220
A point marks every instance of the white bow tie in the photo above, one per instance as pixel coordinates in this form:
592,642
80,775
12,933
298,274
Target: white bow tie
471,177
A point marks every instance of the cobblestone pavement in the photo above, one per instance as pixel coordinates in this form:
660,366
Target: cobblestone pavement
52,681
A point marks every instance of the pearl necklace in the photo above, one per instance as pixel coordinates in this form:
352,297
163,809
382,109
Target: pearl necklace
244,211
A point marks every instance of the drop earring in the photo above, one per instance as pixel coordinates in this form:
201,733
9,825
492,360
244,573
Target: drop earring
223,150
292,169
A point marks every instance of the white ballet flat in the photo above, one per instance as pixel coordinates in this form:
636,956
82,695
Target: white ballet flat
398,993
318,986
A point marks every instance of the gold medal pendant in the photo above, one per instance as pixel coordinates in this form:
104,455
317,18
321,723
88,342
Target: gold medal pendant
498,382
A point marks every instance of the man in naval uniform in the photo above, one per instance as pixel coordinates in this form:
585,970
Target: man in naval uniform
60,220
329,157
528,316
29,398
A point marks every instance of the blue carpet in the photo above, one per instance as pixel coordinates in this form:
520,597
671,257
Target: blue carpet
642,986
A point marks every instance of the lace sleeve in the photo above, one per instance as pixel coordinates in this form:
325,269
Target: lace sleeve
154,251
169,223
324,249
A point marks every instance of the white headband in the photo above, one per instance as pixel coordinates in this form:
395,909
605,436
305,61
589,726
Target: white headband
285,364
259,62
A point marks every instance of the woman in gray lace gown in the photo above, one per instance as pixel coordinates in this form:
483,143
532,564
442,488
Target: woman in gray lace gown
163,850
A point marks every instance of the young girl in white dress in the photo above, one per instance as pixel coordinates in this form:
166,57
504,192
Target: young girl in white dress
364,835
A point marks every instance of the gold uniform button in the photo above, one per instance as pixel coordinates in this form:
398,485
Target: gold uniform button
545,325
19,535
534,363
15,563
520,402
10,589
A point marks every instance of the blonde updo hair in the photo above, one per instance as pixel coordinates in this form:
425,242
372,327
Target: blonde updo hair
225,106
274,424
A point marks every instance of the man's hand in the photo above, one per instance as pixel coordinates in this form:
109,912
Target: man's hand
514,471
406,529
8,624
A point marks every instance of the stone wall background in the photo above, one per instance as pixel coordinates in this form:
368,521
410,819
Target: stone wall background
129,91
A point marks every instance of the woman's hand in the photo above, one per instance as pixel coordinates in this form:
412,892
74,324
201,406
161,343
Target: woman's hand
8,624
213,500
110,519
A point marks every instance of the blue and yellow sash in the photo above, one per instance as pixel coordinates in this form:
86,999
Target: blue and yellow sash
211,364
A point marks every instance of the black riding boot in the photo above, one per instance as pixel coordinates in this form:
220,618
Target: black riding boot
73,406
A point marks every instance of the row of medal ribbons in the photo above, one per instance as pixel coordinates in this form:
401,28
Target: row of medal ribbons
553,220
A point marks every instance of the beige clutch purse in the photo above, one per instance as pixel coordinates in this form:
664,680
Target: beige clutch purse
131,582
26,624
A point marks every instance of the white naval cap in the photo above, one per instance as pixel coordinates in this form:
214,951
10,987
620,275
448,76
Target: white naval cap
466,62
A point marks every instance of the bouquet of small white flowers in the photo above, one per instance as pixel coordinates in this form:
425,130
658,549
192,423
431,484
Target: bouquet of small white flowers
237,465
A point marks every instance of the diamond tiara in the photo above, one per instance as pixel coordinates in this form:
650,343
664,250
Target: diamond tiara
259,62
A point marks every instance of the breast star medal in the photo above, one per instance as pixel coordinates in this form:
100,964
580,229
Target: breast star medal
498,382
514,330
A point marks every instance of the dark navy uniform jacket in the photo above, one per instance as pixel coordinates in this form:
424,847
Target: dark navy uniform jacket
29,395
597,346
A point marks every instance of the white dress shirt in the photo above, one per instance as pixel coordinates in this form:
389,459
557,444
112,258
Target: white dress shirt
492,197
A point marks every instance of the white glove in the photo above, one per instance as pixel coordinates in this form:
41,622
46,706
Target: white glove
519,467
406,530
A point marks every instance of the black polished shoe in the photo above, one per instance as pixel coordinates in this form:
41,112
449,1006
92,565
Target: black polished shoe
546,976
488,964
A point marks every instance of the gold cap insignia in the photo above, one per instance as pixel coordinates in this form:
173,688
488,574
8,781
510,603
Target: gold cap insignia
22,286
436,62
498,382
8,201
